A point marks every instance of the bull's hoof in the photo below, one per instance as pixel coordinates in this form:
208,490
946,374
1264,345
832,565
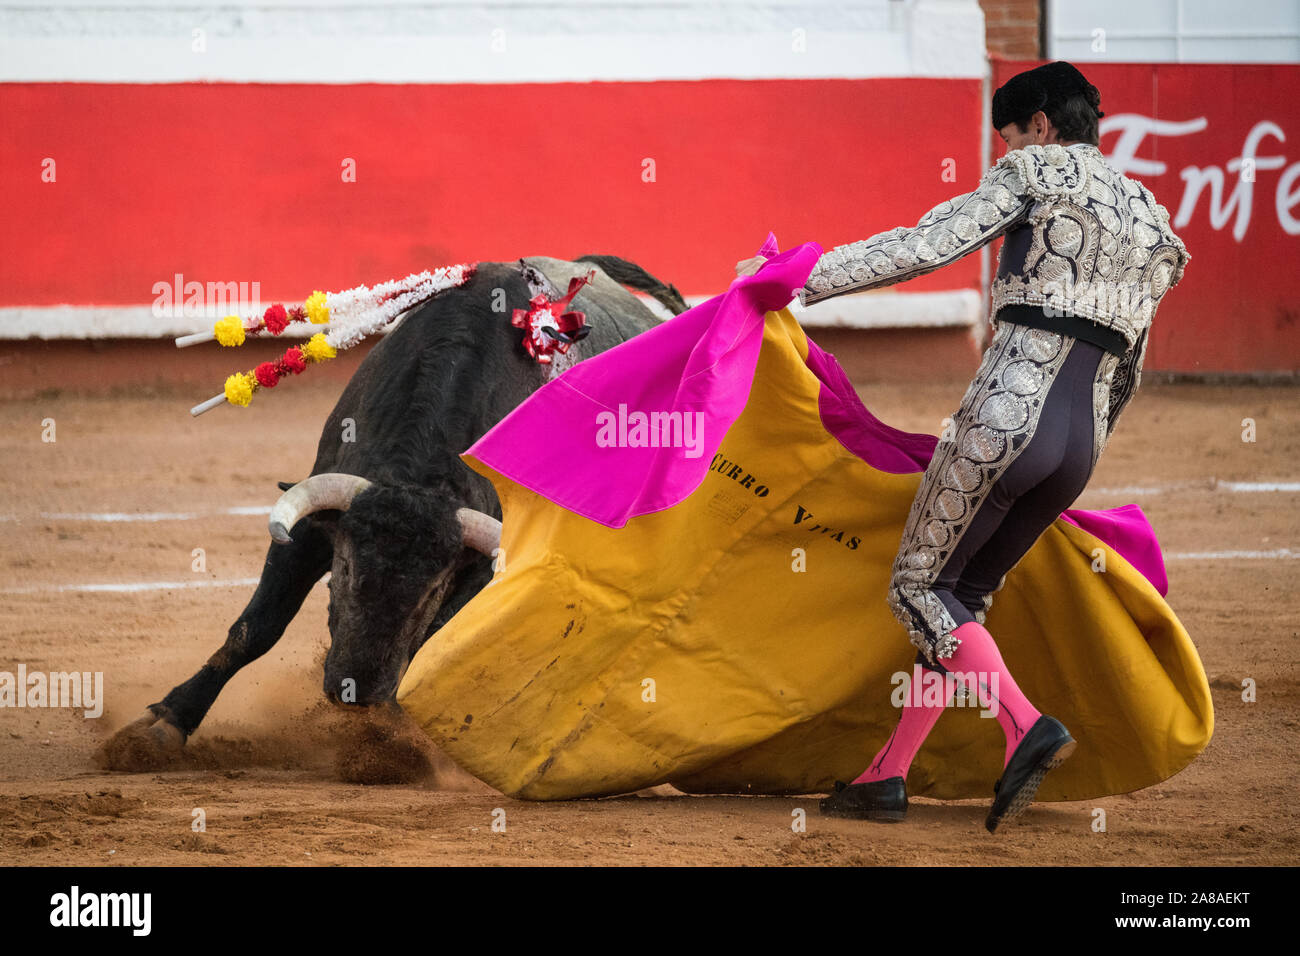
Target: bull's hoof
149,743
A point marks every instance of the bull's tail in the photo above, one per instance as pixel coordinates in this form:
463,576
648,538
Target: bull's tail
634,277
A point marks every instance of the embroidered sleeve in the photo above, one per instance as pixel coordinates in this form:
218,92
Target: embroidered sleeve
947,232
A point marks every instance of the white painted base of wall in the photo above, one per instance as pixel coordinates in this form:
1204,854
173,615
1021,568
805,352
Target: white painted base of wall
882,310
893,310
872,310
109,322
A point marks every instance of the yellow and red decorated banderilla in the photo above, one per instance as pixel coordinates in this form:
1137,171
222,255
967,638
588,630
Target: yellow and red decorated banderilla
349,317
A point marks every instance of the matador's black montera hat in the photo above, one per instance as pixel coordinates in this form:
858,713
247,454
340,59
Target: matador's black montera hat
1042,88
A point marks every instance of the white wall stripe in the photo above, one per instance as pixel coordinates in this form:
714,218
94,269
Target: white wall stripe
490,41
122,322
893,310
875,310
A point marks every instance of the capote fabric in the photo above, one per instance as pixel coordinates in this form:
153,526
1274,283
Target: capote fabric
714,617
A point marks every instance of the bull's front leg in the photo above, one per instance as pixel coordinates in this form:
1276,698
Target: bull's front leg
290,572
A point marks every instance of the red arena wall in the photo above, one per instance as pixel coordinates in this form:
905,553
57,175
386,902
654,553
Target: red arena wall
111,188
244,182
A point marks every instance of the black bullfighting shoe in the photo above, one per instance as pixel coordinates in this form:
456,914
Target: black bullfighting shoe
1044,748
882,800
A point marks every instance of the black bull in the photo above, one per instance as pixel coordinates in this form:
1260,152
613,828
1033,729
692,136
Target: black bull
389,520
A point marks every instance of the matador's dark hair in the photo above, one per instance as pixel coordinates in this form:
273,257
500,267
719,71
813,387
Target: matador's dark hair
1060,91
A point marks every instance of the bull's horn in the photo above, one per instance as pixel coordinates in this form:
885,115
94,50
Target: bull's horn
331,490
479,531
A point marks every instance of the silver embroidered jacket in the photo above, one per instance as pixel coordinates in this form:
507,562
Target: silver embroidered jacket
1081,239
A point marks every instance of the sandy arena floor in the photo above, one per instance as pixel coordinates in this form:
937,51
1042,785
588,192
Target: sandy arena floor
264,766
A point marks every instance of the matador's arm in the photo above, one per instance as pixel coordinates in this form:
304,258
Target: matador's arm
947,232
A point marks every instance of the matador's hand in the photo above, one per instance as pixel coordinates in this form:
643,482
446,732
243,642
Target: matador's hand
747,267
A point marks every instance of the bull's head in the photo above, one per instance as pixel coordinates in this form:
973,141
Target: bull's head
397,550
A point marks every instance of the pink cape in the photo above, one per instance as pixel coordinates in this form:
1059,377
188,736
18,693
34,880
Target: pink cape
703,361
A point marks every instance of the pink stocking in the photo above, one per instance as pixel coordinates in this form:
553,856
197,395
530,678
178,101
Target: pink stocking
896,757
979,653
